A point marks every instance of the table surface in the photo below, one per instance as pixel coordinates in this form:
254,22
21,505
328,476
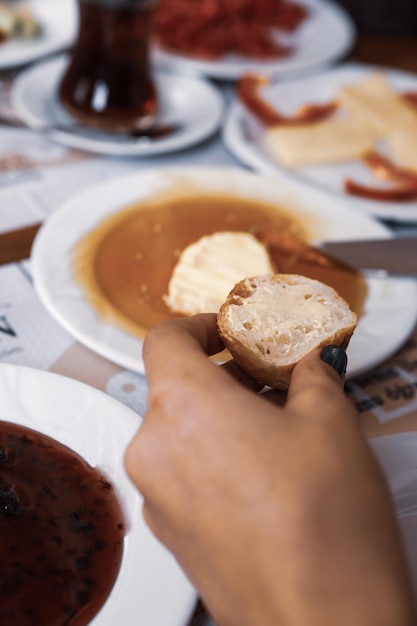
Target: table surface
400,53
393,52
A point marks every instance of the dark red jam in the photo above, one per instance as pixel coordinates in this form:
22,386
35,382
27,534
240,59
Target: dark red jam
61,532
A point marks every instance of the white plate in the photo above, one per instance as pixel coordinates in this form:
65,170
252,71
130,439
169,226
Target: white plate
150,588
320,88
193,103
325,36
58,20
390,309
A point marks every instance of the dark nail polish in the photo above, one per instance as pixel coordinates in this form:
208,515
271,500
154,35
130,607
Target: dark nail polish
336,357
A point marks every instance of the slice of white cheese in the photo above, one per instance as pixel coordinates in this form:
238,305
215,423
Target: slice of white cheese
322,142
402,145
208,269
376,104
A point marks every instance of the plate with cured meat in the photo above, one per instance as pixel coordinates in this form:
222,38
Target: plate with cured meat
224,39
350,131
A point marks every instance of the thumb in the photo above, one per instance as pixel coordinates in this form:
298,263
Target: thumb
317,383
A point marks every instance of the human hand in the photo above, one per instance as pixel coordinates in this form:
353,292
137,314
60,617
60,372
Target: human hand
278,515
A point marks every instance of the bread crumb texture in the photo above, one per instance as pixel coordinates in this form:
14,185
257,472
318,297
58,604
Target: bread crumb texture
268,323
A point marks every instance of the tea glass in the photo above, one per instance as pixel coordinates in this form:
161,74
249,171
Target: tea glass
108,82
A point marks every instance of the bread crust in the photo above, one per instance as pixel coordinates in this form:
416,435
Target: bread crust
249,324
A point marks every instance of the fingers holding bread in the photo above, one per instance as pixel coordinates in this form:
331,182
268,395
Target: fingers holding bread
270,322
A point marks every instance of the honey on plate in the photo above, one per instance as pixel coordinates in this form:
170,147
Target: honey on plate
125,264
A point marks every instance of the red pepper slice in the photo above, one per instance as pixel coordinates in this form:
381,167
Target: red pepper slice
385,169
399,193
248,91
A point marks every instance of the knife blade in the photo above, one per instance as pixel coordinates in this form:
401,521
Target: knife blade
393,257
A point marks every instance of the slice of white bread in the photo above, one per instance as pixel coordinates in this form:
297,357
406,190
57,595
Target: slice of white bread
269,322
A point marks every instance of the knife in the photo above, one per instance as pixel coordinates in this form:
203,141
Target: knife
388,257
384,257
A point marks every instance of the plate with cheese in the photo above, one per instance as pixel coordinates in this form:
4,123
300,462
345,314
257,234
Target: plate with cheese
32,29
125,254
361,149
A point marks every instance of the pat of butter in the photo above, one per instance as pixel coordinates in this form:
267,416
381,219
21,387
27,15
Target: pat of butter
208,269
322,142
